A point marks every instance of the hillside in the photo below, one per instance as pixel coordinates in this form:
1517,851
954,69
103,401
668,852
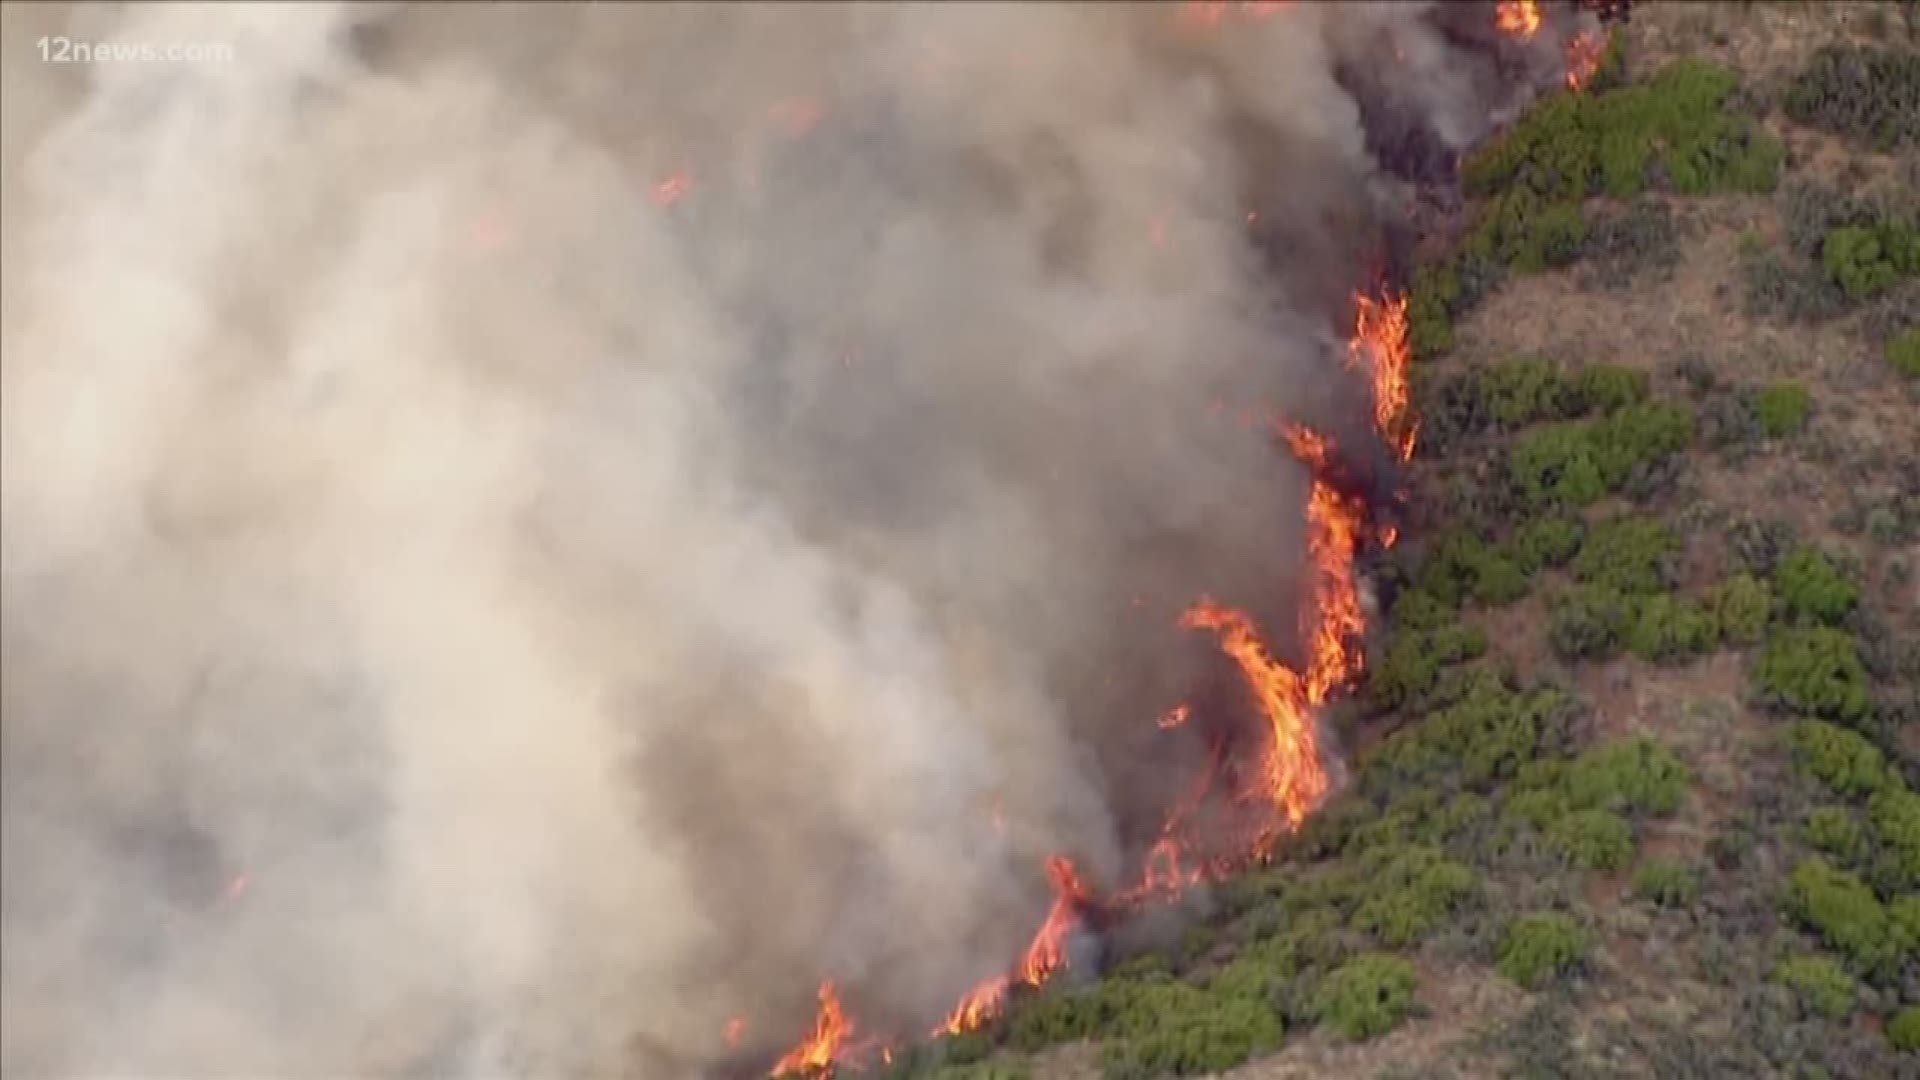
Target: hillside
1633,774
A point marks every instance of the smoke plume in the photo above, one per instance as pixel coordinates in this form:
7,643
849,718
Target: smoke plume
530,531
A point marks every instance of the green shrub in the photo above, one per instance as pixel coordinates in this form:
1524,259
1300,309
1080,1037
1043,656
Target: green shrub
1588,623
1211,1036
1666,629
1847,916
1367,996
1621,247
1485,735
1556,465
1895,813
1410,893
1813,671
1430,310
1903,352
1787,290
1460,565
1520,392
1630,554
1576,463
1593,839
1821,986
1871,94
1812,589
1783,409
1547,541
1837,831
1606,388
1632,776
1535,175
1541,947
1903,1031
1843,760
1741,607
1865,262
1668,884
1411,669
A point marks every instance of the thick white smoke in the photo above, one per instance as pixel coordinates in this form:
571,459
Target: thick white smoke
464,616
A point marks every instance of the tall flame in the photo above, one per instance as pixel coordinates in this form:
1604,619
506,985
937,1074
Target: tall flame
817,1051
1334,524
1520,18
1583,56
1380,345
1291,774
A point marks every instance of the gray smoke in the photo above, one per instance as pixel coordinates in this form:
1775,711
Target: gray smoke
464,616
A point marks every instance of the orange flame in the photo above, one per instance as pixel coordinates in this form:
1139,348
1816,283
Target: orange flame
1519,18
817,1051
981,1004
1291,772
1048,953
1583,57
1333,522
736,1027
1174,717
668,191
1380,344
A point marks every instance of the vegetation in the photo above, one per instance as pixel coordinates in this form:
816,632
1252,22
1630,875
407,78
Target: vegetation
1367,996
1865,93
1821,985
1903,352
1812,589
1537,175
1782,409
1667,884
1541,947
1814,671
1844,912
1486,802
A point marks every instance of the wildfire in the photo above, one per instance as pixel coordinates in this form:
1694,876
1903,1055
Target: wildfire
735,1028
1583,56
1048,953
1520,18
817,1051
1290,780
1334,528
1291,772
668,191
1380,345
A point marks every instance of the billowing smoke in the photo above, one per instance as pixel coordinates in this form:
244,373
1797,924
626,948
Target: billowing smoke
530,532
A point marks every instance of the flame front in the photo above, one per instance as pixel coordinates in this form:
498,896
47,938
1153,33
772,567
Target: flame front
1334,528
1380,345
817,1051
1520,18
1291,779
1584,54
1291,774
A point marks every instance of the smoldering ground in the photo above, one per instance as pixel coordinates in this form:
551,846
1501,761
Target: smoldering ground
472,609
